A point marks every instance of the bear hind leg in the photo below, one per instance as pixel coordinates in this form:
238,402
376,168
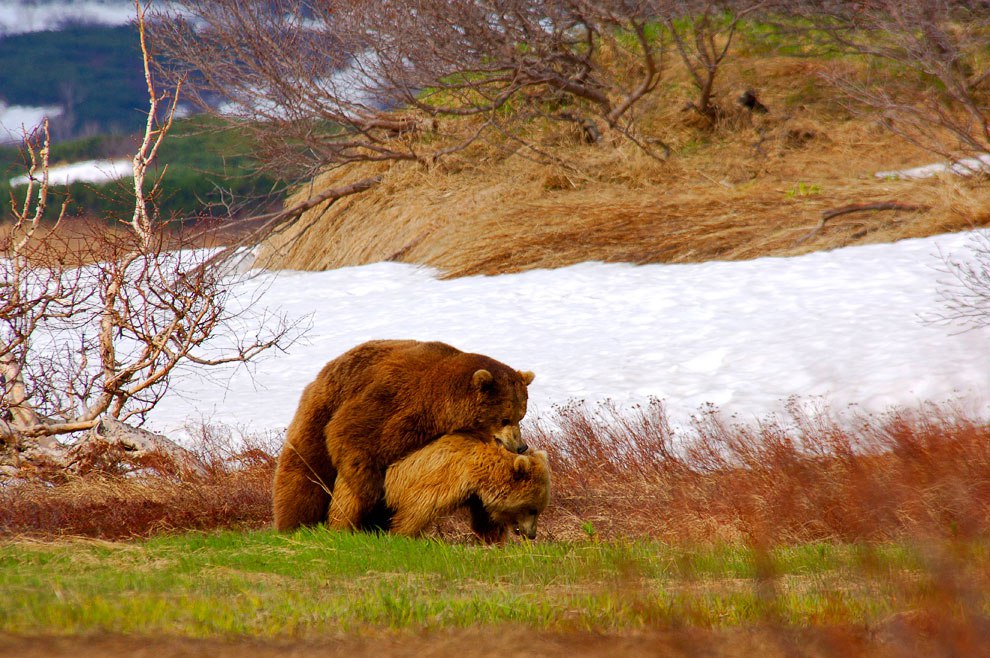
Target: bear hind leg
357,497
301,496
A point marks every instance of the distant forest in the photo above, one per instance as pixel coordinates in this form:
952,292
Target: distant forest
93,72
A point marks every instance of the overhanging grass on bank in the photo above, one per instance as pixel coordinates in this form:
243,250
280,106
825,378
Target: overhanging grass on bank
318,582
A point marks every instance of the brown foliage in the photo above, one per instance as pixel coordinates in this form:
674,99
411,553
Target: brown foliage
117,498
915,474
911,474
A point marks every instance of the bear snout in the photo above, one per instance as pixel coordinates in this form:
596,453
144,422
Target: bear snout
528,531
511,438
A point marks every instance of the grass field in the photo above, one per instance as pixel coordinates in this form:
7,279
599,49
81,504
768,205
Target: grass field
761,540
312,583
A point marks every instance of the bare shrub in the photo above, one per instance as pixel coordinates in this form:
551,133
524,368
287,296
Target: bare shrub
965,290
702,31
87,348
931,84
330,83
224,482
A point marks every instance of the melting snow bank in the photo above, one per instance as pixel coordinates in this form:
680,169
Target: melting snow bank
22,16
88,171
15,119
964,167
844,328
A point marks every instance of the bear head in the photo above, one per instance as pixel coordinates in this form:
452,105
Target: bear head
529,494
501,396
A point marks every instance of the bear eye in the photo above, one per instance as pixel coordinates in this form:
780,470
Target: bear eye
506,422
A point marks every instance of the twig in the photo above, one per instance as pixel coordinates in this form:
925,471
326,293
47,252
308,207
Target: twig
859,207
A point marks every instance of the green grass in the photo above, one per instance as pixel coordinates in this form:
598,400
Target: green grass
313,582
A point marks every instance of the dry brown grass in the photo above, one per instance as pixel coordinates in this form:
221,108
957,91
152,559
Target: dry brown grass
81,240
115,498
919,475
719,197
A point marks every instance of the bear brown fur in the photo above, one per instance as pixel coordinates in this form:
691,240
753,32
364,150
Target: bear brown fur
502,490
372,406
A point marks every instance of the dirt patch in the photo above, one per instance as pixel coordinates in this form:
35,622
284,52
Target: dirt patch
766,642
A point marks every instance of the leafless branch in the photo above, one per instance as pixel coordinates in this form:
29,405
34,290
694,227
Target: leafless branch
84,348
326,83
929,86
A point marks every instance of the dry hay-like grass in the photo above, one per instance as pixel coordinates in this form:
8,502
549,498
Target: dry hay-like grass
752,186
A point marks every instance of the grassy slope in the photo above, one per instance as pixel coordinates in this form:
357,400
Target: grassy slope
717,197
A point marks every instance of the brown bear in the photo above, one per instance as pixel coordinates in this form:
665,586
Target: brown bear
372,406
502,490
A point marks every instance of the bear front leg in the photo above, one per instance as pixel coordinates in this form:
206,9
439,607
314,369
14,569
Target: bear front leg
482,524
356,496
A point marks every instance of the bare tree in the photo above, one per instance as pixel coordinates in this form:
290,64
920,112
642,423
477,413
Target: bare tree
703,31
933,83
965,292
325,83
87,348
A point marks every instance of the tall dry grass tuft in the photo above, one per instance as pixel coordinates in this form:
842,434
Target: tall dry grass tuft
225,484
808,477
918,474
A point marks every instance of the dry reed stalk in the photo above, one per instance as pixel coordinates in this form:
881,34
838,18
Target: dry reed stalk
921,474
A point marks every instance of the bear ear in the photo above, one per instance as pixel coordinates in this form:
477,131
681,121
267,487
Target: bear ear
482,379
527,376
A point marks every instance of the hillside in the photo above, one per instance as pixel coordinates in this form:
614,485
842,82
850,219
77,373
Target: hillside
92,73
755,185
206,166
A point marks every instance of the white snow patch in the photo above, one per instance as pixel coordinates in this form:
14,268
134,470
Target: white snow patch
843,327
963,167
88,171
22,16
15,119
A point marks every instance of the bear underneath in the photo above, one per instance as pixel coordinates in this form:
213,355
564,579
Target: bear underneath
503,490
375,404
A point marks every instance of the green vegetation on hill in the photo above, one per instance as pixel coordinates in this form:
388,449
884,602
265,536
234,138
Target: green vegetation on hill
205,167
93,72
